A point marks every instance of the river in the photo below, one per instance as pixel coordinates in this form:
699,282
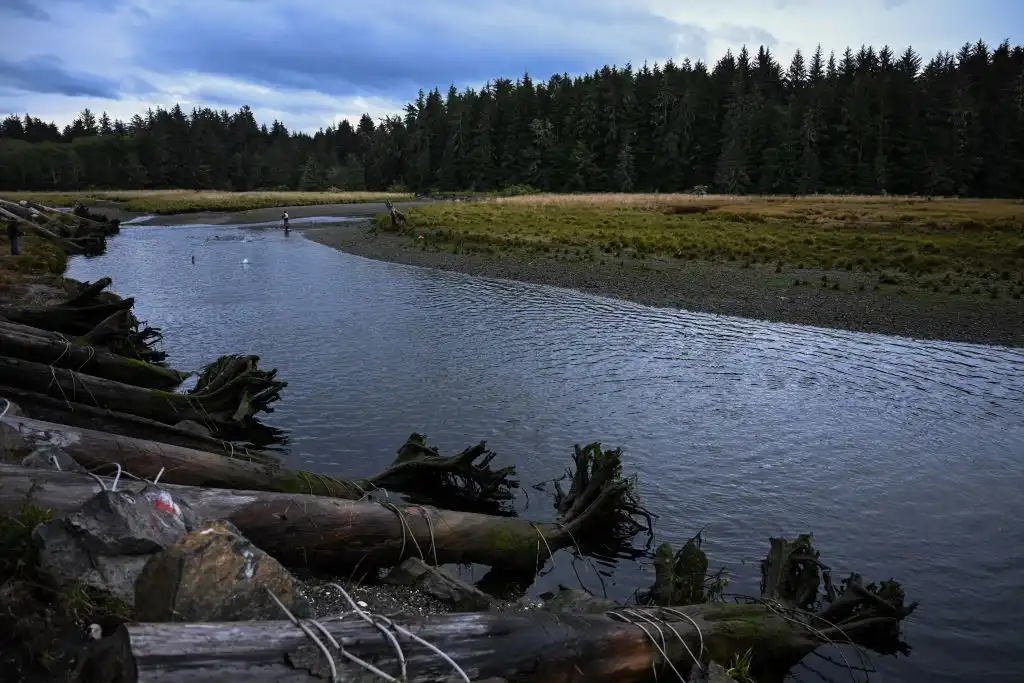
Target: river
904,458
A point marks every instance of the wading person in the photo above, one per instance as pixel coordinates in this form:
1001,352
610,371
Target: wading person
12,235
284,221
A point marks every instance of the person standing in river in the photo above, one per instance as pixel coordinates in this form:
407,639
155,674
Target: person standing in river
284,221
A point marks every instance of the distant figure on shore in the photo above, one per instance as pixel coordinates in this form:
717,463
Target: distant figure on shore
284,221
12,234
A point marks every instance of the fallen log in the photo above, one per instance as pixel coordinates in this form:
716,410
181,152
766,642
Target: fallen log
236,402
250,471
303,530
74,428
66,244
73,320
63,351
623,645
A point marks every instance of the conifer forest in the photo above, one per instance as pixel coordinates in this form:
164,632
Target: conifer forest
867,121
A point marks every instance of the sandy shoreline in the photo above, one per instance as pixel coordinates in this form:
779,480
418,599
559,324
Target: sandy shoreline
756,292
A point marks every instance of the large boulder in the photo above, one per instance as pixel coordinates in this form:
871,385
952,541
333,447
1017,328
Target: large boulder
107,542
215,574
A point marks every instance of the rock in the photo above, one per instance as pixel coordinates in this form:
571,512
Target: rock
65,560
51,457
215,574
573,601
714,673
193,427
106,544
119,523
441,585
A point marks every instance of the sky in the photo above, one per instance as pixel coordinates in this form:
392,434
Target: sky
312,63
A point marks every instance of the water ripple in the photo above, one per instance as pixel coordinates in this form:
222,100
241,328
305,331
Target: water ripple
906,458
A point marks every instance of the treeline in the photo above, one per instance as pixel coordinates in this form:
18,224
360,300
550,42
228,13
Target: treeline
867,122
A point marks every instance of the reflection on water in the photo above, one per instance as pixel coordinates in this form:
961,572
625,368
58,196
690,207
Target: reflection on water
905,458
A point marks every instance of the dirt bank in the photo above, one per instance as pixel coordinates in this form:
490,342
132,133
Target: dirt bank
755,292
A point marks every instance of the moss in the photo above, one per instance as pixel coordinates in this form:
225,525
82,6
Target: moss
297,481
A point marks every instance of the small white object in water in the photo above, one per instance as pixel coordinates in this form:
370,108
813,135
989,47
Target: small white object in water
245,261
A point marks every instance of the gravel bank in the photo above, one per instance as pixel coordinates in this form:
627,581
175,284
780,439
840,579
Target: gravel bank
757,292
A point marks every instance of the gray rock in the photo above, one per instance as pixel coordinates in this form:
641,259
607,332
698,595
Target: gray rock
439,584
66,562
107,543
573,601
193,427
122,523
50,457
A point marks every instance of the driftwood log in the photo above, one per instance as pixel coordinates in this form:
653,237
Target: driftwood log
54,348
63,242
111,424
419,473
234,401
96,318
303,530
622,645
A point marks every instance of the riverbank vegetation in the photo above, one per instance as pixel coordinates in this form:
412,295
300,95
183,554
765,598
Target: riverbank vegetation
865,121
955,246
166,202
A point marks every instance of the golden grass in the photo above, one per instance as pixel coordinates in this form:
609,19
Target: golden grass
39,258
941,244
164,202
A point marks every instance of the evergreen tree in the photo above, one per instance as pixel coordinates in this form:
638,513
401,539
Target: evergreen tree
871,120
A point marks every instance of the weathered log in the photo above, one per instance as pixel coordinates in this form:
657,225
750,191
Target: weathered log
624,645
62,351
66,244
88,292
304,530
143,457
234,403
203,467
77,320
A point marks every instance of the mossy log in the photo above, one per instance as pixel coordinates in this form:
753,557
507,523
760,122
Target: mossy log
623,645
60,350
233,403
303,530
247,470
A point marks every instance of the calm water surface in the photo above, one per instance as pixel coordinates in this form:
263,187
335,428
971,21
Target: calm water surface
905,458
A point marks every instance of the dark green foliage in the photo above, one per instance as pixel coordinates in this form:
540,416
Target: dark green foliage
868,122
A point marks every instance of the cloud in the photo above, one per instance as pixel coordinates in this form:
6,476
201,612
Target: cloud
341,49
313,62
24,8
47,74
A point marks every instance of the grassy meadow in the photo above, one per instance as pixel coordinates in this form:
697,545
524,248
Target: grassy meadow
164,202
952,245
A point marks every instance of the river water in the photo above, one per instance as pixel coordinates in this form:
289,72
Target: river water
905,458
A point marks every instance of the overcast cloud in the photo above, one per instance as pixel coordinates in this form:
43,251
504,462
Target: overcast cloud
314,62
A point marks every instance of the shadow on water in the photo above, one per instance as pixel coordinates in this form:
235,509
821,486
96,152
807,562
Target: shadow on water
905,458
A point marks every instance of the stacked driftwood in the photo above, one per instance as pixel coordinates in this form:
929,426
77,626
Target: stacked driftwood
89,362
88,383
77,231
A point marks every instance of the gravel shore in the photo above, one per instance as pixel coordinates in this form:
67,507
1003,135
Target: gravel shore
758,292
